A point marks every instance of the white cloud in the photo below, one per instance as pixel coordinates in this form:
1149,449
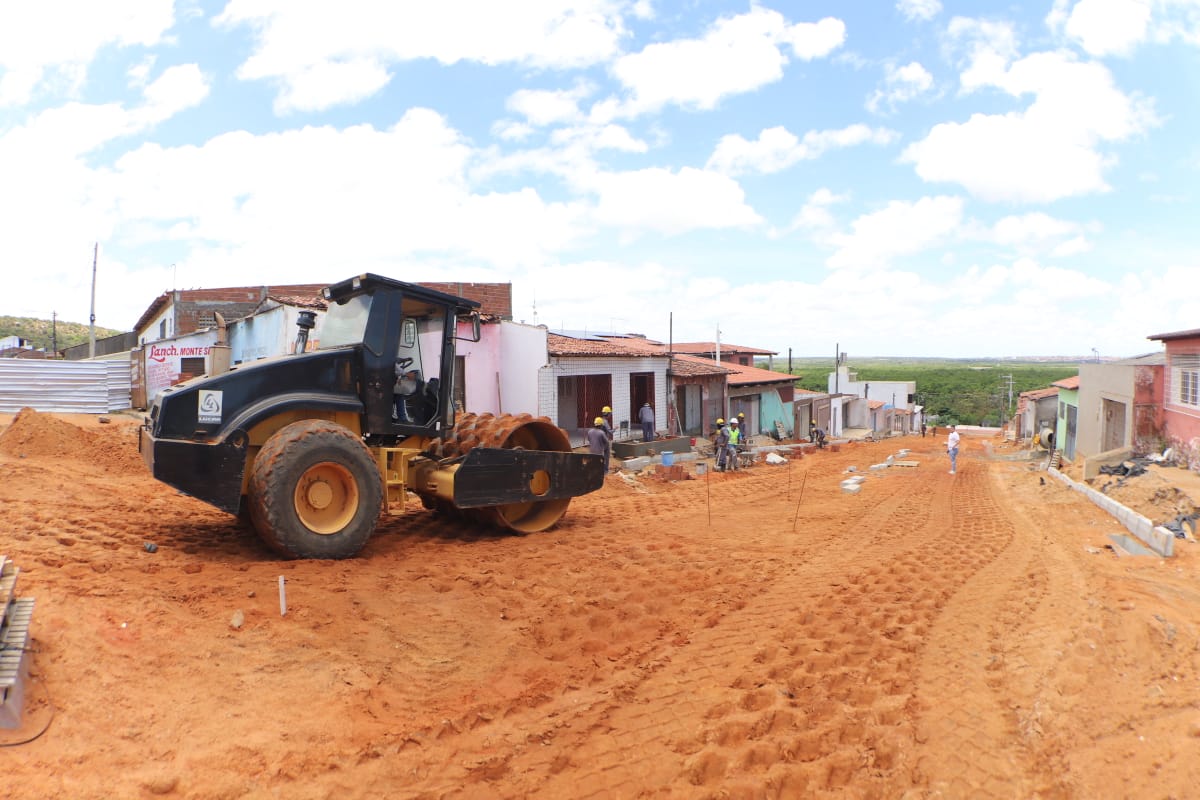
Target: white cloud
322,56
815,214
542,107
669,202
737,55
900,228
1033,228
900,85
919,9
1108,27
51,44
1049,150
777,148
982,48
325,84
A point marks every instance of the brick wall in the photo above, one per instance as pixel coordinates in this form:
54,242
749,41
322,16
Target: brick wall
494,298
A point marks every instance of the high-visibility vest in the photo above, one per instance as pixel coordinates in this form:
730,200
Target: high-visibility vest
735,435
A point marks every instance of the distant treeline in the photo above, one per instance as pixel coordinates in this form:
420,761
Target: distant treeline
45,334
960,392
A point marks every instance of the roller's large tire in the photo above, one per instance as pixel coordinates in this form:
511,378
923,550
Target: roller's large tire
315,491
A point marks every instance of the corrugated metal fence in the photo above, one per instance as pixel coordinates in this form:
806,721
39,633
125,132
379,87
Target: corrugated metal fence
76,387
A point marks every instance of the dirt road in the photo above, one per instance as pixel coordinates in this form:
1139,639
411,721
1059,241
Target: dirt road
760,634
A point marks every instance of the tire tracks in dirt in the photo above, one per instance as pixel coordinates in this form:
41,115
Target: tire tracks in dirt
800,685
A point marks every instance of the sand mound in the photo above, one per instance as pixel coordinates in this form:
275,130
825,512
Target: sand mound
35,435
32,435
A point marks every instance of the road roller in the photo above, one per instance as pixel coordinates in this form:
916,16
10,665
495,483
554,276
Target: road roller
313,446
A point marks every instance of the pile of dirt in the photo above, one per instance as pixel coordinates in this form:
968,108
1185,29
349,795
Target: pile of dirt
1149,494
36,435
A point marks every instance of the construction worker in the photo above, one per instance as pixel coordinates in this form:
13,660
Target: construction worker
735,438
646,417
598,441
606,413
745,431
721,444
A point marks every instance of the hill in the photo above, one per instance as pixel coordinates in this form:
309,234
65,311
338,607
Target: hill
43,333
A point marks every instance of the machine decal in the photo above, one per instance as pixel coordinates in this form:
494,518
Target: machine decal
210,406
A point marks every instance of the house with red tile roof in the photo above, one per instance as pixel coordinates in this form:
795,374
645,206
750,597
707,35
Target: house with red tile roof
1037,410
587,372
763,396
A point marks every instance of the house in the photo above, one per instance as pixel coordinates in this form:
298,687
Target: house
1120,406
705,388
1067,425
734,354
810,408
1181,392
697,386
1037,411
901,395
765,397
586,372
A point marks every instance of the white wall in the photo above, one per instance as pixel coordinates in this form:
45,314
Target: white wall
620,368
892,392
522,356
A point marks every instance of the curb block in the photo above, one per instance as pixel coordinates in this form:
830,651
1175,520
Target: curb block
1157,538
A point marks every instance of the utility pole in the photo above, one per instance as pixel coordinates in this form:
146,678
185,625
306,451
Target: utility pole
837,363
92,318
54,332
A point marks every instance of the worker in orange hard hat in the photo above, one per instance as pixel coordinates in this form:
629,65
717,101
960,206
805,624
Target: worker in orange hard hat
598,442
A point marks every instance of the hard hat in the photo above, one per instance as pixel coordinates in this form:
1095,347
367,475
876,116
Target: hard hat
598,421
742,414
720,421
733,421
606,410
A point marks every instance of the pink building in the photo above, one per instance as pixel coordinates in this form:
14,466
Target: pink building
1181,392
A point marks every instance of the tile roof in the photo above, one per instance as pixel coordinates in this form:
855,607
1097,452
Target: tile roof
691,366
710,348
1067,383
560,345
1038,394
1166,337
300,301
742,376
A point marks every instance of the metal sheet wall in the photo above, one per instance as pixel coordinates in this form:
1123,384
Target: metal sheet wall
75,387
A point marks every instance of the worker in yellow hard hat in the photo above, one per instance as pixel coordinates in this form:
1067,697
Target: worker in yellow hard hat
598,441
721,443
606,414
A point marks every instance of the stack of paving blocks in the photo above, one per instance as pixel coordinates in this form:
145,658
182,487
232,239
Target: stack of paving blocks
15,614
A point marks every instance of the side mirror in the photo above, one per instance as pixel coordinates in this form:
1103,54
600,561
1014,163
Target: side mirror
476,334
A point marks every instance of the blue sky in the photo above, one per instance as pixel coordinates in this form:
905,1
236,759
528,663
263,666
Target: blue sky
905,178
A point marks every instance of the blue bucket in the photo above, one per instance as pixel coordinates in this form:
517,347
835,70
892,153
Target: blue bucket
668,458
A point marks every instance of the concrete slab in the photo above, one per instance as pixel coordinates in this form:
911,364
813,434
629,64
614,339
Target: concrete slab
677,445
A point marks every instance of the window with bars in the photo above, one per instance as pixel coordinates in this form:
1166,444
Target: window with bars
1185,379
1189,387
206,319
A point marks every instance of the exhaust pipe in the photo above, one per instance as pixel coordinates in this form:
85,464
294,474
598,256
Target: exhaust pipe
306,322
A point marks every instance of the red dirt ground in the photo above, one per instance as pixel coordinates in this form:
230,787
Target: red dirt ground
759,634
